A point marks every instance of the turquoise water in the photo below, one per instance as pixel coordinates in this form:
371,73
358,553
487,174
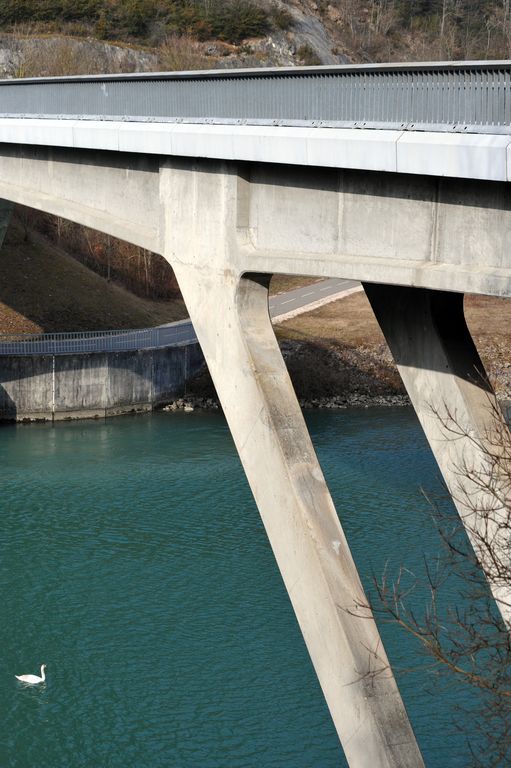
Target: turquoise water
134,564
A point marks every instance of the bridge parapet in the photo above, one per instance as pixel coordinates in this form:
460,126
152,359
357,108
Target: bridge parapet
466,97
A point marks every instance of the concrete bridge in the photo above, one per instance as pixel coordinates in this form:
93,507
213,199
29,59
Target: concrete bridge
395,176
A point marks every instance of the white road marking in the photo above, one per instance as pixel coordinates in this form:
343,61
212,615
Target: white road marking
316,304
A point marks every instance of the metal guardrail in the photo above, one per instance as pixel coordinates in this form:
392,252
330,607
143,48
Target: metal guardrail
172,335
455,96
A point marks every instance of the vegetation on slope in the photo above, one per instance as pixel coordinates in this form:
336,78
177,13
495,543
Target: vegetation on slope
415,30
365,30
143,273
149,20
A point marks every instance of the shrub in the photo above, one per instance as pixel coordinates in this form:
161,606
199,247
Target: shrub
236,20
229,20
181,53
308,55
280,17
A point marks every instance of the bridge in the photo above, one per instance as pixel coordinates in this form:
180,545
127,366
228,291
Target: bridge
395,176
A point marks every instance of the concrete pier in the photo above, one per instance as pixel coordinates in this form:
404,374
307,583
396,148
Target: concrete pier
452,396
230,316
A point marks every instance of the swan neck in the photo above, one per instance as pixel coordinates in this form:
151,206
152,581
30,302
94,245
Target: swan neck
42,672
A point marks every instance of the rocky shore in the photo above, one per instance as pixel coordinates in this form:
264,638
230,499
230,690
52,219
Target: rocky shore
323,377
328,377
190,403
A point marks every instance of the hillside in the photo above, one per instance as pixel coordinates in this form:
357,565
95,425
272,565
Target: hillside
91,36
42,288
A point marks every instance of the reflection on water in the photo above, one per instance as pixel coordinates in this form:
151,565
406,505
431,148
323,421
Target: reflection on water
133,562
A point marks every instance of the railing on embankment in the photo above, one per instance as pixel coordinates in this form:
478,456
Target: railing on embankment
450,96
171,335
94,374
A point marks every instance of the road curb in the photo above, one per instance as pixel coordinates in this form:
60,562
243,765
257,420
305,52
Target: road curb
315,304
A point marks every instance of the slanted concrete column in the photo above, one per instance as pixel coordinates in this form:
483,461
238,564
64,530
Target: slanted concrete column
447,384
204,222
5,216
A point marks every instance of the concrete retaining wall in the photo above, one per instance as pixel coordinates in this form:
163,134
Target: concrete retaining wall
56,387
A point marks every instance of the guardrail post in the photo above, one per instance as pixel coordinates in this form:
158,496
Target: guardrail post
53,388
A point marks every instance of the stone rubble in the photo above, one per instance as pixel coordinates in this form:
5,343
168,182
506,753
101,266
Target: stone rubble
190,403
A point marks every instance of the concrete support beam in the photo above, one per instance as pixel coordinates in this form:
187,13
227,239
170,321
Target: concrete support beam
115,195
453,234
230,315
447,384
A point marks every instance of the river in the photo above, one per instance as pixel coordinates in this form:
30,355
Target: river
134,564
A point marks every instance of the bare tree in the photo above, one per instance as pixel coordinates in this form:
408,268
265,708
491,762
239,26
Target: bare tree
472,642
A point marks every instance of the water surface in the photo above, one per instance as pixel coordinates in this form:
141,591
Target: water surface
134,564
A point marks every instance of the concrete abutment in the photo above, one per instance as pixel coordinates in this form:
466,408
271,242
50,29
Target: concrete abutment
93,385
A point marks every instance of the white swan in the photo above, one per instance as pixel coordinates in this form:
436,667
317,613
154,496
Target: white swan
33,679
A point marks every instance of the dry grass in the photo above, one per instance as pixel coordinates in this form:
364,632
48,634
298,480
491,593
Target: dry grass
42,288
283,283
489,320
348,328
349,321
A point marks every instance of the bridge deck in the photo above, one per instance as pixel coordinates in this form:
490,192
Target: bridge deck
427,119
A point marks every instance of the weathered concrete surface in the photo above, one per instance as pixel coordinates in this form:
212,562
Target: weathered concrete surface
93,385
102,190
439,233
444,234
449,389
26,386
231,319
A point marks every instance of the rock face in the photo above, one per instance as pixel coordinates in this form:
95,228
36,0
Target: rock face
59,55
305,41
307,30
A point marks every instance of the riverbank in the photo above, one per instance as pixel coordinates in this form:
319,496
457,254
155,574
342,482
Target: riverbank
337,356
190,403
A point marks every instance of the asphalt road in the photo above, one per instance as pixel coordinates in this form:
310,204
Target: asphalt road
283,303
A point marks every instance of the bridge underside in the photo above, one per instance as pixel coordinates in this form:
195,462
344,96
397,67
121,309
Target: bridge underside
417,244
